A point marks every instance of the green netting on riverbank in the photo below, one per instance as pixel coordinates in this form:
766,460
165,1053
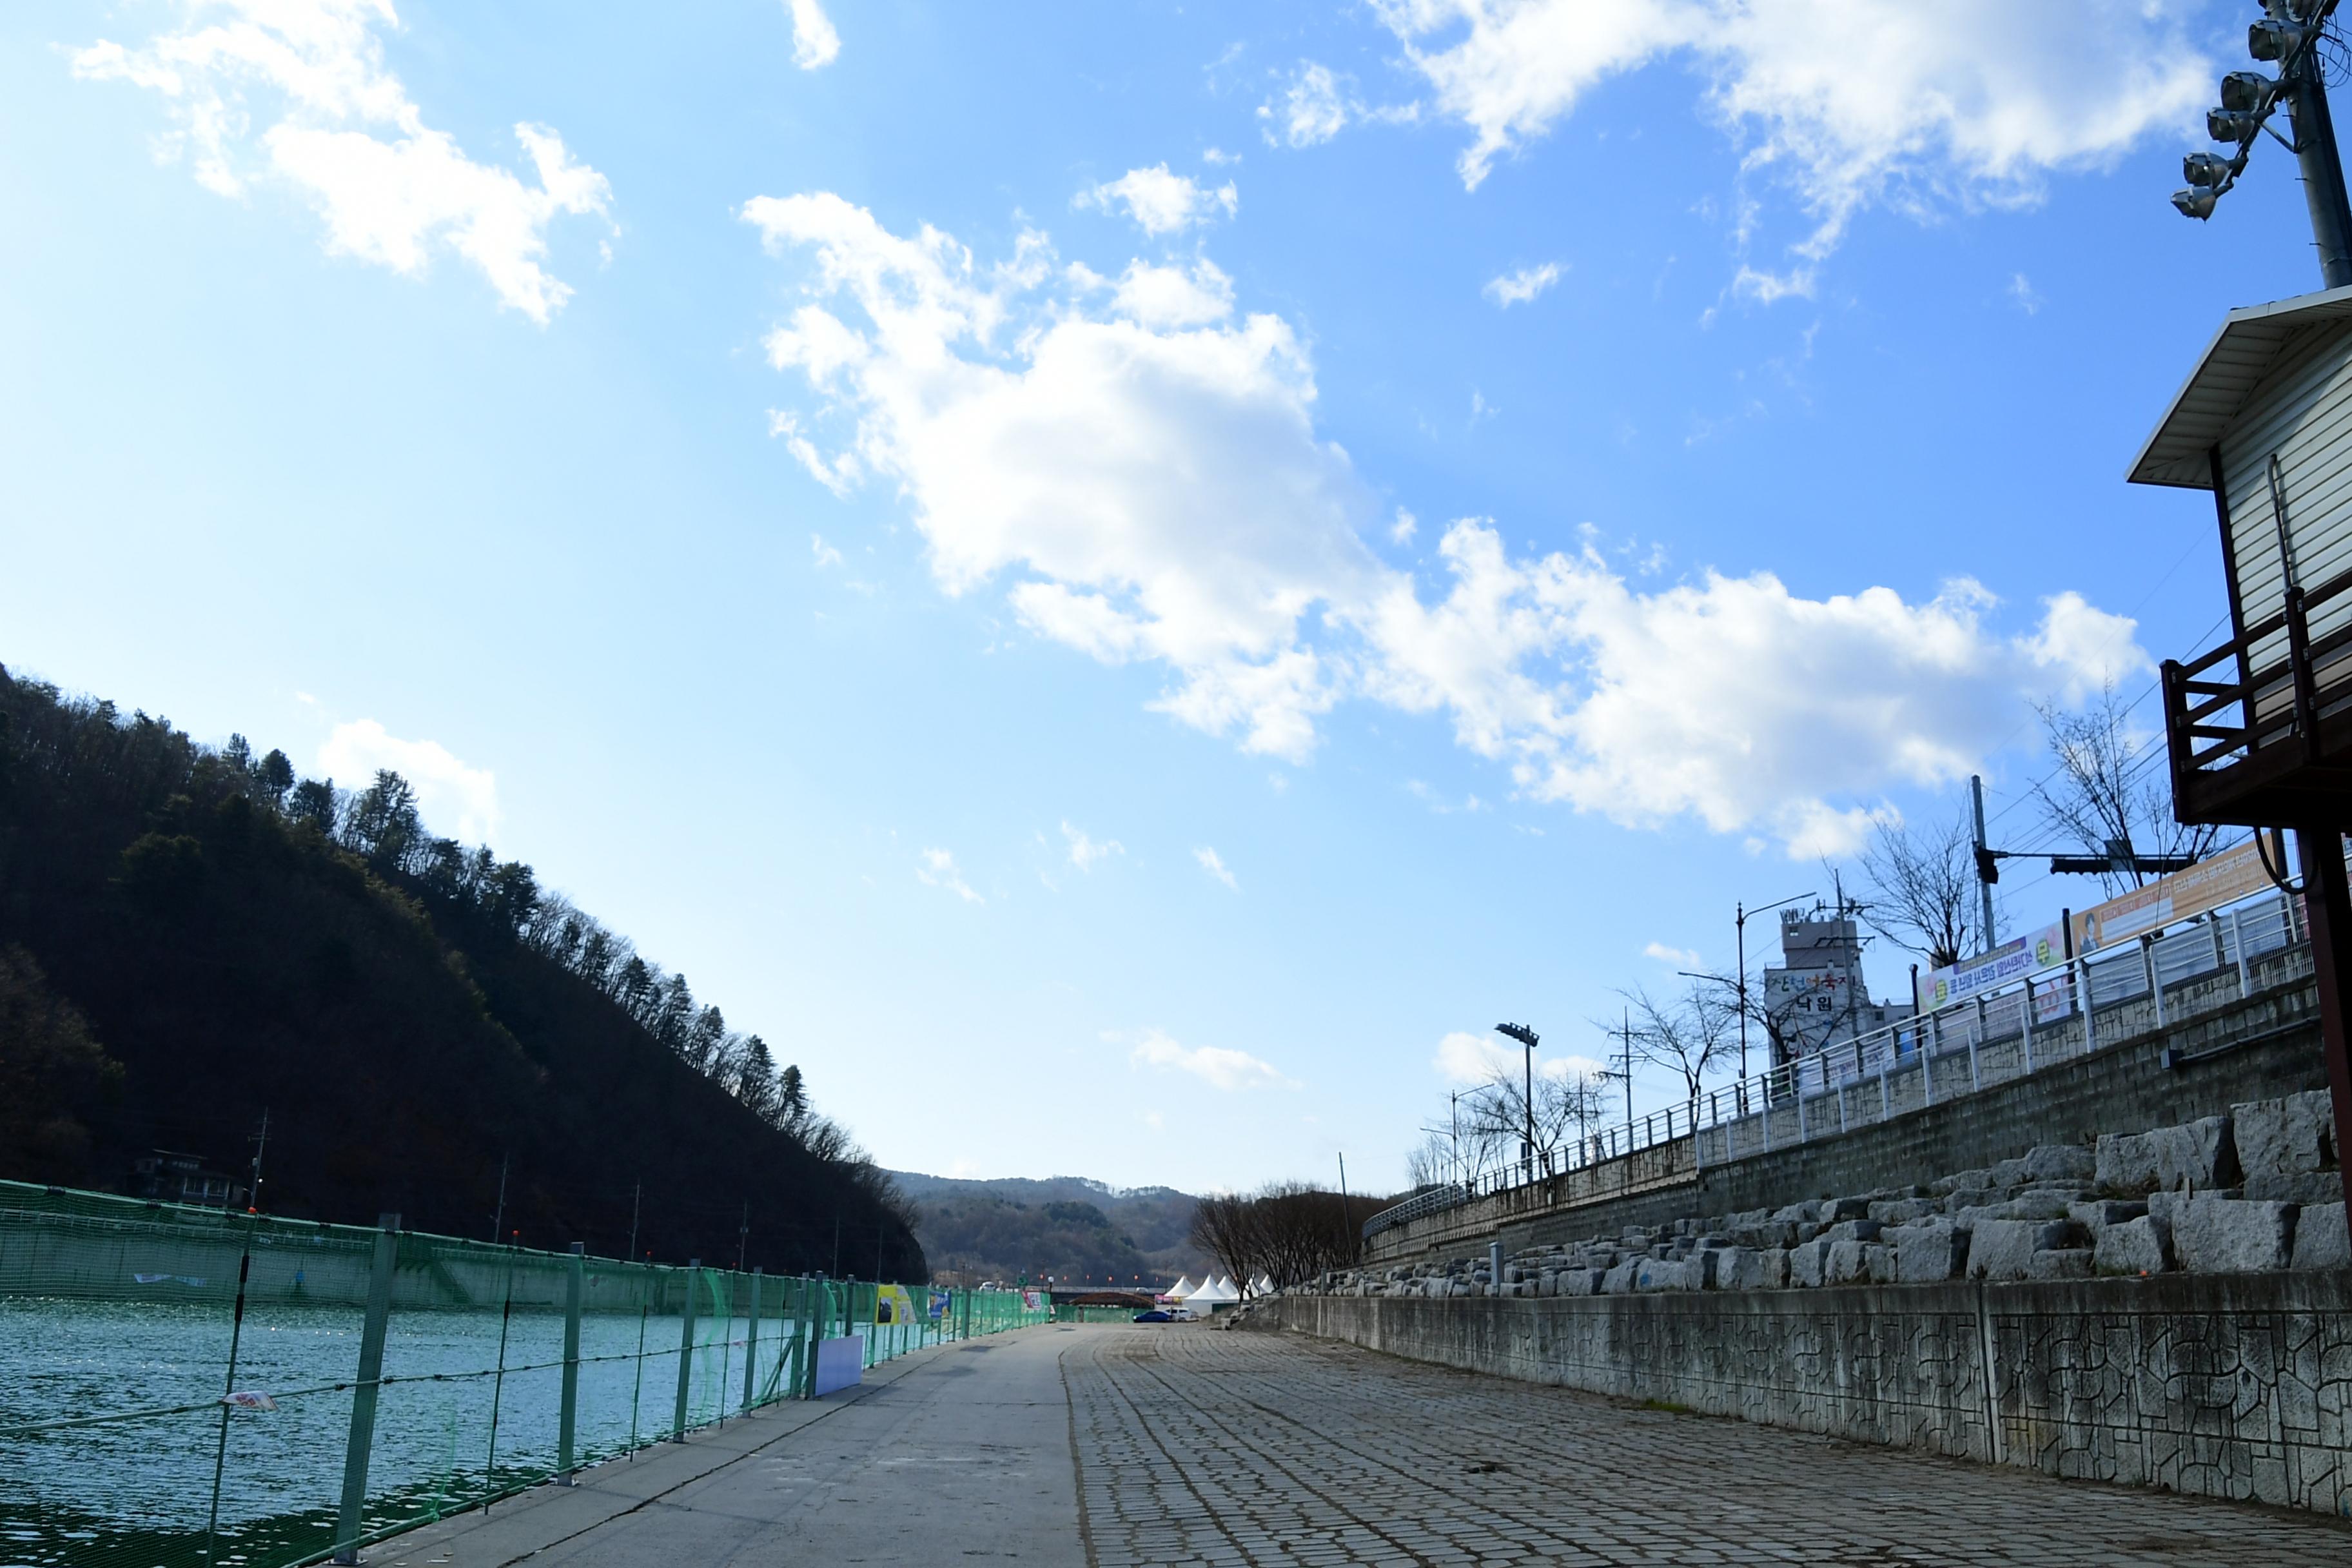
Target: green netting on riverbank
190,1386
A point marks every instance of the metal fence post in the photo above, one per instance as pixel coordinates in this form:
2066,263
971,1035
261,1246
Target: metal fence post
751,1341
2155,981
567,1418
366,1387
2084,999
686,1349
2238,941
1797,1078
2025,1022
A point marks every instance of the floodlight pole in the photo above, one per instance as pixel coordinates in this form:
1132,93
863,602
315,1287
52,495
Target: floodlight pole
2323,171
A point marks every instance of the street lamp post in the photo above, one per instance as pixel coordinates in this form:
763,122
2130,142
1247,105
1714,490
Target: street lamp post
1527,1037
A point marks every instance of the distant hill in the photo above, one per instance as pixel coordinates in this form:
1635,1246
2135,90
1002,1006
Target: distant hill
190,937
1068,1227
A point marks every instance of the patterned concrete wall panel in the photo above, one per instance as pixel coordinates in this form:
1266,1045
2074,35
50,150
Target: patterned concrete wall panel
2234,1386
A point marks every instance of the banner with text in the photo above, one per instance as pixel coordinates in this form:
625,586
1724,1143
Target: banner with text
2012,959
2222,879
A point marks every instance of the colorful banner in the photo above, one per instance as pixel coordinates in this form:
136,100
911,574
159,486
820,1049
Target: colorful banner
2012,959
2224,878
942,1304
893,1305
1036,1301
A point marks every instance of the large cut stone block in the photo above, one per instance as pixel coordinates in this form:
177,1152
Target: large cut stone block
2133,1247
2280,1141
1659,1273
2231,1236
2320,1240
1847,1262
1904,1211
2004,1248
1927,1252
2060,1263
1619,1281
2196,1157
1809,1263
2061,1163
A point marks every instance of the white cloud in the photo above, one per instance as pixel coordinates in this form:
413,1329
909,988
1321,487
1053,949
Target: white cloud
1212,1065
1518,288
1085,853
1313,109
1406,525
1146,479
1214,865
2027,297
1466,1058
814,42
1728,699
1682,957
1159,202
343,132
938,869
1164,298
452,797
1848,101
822,554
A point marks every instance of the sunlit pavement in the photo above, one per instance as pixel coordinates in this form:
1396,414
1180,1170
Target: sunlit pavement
1117,1446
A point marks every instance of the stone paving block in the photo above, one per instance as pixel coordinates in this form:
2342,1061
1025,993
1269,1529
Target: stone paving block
2134,1247
2278,1139
2320,1240
2231,1236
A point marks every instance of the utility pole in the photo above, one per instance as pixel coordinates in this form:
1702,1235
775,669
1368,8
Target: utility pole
636,1202
499,1214
260,1144
2322,166
1984,864
743,1237
1347,1218
1629,1079
1739,914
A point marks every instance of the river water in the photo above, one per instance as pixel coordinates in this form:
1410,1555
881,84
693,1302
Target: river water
140,1490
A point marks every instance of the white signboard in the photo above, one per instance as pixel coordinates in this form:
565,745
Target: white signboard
2012,961
840,1363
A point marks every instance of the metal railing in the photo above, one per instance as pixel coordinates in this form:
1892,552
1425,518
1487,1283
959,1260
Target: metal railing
183,1385
2004,1033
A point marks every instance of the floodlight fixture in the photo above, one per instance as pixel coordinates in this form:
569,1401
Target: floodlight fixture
2209,169
2196,201
2236,126
2274,40
2248,92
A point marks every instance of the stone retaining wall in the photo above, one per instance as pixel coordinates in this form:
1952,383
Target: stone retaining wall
2260,1047
2235,1385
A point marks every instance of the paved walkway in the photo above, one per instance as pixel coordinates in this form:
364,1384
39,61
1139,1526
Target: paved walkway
1113,1446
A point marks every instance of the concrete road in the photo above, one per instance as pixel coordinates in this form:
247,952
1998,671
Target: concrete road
1121,1448
959,1454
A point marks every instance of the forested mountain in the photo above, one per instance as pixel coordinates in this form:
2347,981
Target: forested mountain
1069,1227
191,938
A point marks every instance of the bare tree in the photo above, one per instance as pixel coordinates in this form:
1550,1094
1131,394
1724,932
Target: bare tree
1923,887
1690,1035
1566,1106
1287,1231
2110,786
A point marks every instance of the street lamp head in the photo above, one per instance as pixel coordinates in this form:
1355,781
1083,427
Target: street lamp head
2196,201
2273,39
1518,1031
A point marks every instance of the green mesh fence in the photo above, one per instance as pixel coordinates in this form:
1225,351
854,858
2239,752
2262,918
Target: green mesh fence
190,1386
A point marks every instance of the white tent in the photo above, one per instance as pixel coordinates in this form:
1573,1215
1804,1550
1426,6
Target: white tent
1262,1286
1182,1288
1216,1293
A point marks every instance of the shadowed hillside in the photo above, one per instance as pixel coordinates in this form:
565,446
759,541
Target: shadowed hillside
1068,1227
190,938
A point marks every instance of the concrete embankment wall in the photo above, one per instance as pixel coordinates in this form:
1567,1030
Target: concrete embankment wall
2260,1046
2222,1386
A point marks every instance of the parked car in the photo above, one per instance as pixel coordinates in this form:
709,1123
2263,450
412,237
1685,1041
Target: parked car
1180,1315
1153,1316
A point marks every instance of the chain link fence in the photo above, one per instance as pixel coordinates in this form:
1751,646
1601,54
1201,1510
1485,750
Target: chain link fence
185,1385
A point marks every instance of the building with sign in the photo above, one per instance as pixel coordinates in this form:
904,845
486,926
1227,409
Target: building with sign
1815,997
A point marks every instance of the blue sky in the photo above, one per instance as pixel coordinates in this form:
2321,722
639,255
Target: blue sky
1110,577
